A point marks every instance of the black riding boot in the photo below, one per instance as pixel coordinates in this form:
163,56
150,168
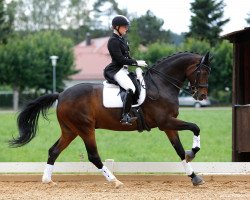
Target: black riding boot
127,103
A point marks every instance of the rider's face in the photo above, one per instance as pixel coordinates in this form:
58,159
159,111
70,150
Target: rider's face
123,30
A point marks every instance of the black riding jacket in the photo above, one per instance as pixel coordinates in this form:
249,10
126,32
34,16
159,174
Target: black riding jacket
119,52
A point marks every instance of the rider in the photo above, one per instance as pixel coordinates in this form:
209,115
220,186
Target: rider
117,70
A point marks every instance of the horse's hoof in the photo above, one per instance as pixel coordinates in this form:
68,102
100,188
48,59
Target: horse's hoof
189,155
197,180
118,184
48,181
51,183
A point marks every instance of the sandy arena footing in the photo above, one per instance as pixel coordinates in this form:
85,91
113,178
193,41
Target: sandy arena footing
74,186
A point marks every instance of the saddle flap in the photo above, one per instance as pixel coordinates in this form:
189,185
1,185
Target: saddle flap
112,94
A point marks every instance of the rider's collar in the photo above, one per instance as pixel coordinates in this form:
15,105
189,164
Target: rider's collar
117,33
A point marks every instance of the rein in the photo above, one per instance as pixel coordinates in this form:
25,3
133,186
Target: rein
178,84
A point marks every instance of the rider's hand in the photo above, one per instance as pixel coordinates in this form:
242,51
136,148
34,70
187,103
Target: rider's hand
141,63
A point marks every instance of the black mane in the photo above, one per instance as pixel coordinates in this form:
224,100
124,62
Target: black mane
161,60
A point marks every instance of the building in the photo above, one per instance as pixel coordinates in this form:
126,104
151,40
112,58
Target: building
241,94
91,57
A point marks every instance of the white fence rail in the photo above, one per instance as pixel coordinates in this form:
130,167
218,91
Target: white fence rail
128,167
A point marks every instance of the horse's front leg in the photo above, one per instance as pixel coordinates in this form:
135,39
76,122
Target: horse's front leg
93,156
179,125
175,141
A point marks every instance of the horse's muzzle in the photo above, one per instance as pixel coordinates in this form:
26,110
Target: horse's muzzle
202,96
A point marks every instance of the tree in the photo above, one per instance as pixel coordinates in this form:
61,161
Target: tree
220,80
72,18
78,13
78,21
133,38
35,15
106,9
150,29
206,21
2,23
115,8
6,20
25,62
197,46
248,19
157,51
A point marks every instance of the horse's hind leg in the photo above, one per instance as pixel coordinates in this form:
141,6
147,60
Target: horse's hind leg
66,138
93,156
175,141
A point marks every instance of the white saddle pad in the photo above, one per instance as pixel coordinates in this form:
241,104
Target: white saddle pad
111,93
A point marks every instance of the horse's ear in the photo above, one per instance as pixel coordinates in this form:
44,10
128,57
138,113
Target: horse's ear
205,59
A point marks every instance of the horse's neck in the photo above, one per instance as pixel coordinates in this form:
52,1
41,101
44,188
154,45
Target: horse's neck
168,88
177,66
175,72
172,74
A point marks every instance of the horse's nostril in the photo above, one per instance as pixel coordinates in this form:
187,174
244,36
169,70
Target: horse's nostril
202,96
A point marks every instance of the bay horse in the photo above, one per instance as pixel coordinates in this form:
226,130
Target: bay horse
80,111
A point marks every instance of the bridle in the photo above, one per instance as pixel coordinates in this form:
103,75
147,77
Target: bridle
194,87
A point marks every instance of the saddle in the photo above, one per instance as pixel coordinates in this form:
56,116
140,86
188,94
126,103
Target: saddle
113,94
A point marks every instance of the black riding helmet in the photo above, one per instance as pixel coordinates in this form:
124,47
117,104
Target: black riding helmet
120,20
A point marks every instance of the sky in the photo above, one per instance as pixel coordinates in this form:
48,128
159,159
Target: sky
176,13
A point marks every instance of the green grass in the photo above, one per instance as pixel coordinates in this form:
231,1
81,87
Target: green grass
154,146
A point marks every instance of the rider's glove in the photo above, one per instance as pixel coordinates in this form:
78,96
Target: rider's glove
141,63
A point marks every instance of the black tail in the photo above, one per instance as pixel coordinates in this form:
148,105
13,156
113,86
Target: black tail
28,119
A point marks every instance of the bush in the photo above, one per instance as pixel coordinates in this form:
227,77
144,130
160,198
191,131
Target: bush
157,51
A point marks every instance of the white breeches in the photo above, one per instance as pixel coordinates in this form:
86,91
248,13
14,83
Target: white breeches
121,77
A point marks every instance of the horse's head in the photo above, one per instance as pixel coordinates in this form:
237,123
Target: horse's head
198,78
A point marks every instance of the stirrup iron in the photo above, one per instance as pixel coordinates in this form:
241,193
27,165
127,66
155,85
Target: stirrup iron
127,119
